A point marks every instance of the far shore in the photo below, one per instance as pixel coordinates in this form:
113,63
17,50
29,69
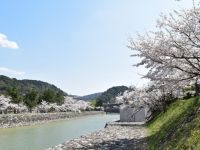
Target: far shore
27,119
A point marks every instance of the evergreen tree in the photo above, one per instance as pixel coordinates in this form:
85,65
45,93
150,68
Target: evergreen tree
59,98
14,94
48,96
31,100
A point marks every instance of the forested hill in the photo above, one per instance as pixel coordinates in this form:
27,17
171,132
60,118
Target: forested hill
24,86
91,96
109,96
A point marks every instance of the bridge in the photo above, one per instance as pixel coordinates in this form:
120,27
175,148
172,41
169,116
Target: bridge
112,107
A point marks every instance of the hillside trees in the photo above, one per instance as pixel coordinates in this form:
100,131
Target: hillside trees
31,100
33,97
59,98
172,53
19,91
52,97
14,94
109,96
24,86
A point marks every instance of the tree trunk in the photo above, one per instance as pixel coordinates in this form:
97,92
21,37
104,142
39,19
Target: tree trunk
197,89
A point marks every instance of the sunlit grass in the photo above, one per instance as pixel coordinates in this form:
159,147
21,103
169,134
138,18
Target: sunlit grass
178,127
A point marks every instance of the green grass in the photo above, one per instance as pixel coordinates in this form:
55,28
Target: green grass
177,128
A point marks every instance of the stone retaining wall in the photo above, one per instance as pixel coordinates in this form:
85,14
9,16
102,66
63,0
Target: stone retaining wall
14,120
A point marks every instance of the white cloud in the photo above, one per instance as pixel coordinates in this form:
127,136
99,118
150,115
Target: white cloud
4,42
7,71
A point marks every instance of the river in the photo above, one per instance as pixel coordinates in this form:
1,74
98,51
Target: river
42,136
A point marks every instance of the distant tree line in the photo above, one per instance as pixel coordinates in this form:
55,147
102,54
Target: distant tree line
33,98
30,92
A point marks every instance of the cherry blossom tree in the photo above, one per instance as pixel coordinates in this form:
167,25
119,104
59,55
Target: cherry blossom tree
70,105
6,106
156,96
172,53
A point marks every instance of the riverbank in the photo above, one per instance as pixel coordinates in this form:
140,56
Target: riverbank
112,137
16,120
178,127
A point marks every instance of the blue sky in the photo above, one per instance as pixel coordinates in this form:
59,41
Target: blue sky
80,46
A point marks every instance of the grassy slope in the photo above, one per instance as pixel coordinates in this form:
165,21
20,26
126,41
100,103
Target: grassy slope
178,127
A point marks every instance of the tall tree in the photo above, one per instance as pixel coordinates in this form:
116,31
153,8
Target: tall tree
49,96
14,94
59,98
52,97
31,100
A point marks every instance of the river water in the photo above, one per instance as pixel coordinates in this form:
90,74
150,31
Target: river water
42,136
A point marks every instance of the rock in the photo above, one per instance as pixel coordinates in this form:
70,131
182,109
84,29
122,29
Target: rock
14,120
113,137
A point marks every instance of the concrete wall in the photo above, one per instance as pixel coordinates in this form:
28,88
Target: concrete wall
129,114
140,115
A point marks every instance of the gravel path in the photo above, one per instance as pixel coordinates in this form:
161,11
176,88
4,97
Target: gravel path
111,138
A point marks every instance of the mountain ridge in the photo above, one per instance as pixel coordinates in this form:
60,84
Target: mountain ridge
25,85
90,97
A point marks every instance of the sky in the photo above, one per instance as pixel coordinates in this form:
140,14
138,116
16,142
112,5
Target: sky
79,46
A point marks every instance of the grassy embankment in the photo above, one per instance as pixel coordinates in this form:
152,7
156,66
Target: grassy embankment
178,127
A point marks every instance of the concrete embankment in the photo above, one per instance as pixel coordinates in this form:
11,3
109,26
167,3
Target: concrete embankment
118,137
15,120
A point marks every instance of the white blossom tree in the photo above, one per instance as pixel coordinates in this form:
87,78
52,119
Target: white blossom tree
172,53
70,105
7,106
156,96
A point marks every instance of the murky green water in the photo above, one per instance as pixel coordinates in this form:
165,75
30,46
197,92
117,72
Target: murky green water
39,137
